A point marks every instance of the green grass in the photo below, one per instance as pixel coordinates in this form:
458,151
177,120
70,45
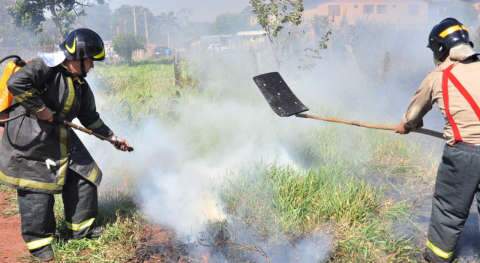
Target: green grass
119,216
331,192
117,244
138,90
329,196
143,89
123,229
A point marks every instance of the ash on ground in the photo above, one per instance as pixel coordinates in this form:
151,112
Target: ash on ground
228,242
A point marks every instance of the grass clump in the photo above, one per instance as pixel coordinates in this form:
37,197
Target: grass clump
300,202
117,244
139,89
123,231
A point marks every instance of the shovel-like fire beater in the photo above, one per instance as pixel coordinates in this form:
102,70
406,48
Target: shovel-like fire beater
285,104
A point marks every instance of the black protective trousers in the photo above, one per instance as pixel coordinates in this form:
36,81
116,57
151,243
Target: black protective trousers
80,200
457,184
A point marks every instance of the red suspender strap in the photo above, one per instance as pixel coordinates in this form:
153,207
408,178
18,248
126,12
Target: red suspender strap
446,75
465,94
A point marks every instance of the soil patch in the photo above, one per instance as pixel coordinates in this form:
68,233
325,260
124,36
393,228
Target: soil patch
160,245
12,247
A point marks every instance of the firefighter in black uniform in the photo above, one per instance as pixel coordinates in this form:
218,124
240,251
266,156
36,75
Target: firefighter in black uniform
40,157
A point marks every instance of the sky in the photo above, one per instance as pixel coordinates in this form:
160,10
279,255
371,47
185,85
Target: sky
202,10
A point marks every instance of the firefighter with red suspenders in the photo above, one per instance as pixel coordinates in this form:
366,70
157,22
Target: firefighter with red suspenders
455,86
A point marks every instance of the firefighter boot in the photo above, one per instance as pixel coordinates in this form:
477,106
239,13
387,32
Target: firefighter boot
44,254
96,232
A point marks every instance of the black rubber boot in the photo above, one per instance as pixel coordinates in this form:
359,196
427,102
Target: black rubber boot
44,254
95,233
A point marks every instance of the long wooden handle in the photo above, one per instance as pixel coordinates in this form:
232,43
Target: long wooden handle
88,131
433,133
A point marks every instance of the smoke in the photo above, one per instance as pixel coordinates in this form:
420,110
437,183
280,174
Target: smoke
367,73
204,11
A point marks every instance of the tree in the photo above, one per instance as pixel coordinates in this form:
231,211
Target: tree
167,28
31,14
98,18
230,23
273,15
125,45
133,20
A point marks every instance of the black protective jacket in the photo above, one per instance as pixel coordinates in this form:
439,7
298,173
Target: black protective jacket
35,155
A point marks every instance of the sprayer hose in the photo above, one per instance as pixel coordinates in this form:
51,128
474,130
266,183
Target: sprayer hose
12,118
9,57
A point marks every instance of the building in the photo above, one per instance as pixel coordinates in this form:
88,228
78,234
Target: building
350,12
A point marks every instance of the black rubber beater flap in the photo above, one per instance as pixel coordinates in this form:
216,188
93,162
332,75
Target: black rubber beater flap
278,95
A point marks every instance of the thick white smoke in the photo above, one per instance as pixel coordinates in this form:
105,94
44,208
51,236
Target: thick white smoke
178,168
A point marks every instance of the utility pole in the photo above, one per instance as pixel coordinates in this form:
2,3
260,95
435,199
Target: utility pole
146,26
134,22
168,39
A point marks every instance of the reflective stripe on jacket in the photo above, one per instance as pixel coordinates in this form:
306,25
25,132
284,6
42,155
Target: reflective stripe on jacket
36,155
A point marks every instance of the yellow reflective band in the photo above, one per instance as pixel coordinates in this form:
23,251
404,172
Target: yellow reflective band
71,49
25,96
92,176
70,98
81,226
100,55
451,30
39,243
438,251
25,183
96,124
62,171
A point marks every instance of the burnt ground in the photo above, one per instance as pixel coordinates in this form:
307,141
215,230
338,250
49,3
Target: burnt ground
12,247
160,244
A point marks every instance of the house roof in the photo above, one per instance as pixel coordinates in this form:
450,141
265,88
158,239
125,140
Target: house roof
313,3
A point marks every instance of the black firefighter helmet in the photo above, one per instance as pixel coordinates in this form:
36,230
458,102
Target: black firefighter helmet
83,43
446,35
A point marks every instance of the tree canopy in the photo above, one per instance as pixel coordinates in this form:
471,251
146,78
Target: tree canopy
273,15
31,14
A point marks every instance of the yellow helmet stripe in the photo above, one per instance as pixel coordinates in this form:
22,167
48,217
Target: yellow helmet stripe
100,55
71,49
451,30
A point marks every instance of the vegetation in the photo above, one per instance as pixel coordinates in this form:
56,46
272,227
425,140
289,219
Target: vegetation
31,14
232,23
125,45
145,89
339,191
123,232
332,196
334,190
274,15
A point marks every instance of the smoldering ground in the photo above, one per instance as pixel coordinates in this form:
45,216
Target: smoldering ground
179,167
